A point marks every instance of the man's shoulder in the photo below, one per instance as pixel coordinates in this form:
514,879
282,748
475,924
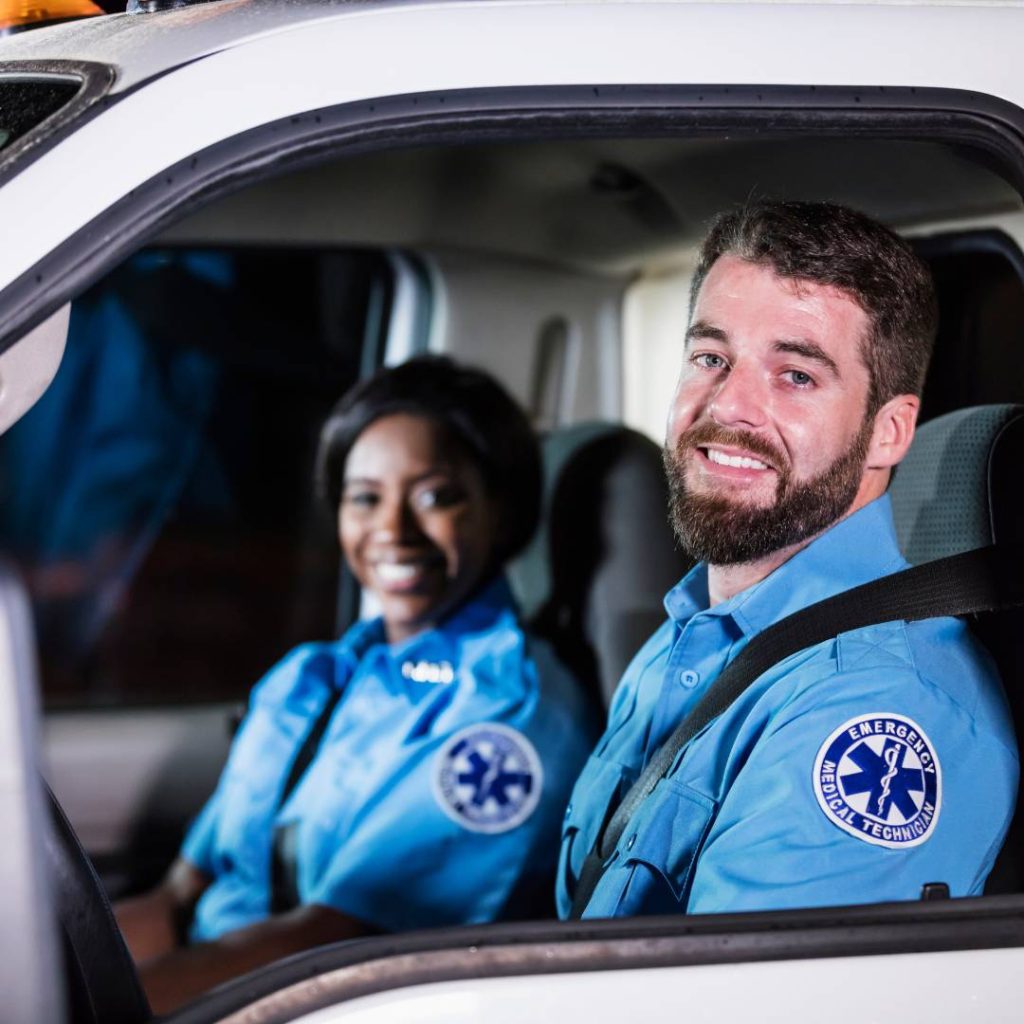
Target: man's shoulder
935,664
940,652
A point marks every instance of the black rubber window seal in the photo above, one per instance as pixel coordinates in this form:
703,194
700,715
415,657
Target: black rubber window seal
980,122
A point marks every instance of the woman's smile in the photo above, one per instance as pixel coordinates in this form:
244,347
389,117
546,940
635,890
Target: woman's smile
406,574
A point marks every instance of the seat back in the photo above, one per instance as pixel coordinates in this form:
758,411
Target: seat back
959,489
593,579
101,982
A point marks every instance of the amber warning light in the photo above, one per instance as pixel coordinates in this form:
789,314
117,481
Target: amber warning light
17,15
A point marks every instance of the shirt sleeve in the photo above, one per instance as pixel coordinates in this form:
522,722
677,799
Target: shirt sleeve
414,859
245,798
198,847
831,806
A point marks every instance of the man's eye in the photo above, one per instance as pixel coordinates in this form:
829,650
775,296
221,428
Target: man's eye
710,360
799,378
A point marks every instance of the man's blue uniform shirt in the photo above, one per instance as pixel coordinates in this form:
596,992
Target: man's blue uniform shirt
854,771
380,833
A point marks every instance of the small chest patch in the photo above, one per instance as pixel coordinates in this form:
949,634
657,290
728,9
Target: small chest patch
878,778
488,778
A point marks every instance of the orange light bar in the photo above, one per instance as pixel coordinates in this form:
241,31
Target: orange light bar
21,14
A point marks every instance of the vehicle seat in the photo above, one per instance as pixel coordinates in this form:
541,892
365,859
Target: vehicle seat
958,489
102,986
593,578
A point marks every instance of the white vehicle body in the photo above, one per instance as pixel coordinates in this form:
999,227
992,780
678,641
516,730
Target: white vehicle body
206,99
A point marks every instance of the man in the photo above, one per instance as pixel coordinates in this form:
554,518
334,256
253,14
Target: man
856,770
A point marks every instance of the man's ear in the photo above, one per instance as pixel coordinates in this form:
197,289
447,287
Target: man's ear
893,431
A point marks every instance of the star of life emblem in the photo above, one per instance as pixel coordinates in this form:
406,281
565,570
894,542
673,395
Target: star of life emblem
878,778
488,778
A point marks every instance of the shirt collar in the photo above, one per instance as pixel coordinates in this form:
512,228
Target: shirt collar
856,550
355,644
440,644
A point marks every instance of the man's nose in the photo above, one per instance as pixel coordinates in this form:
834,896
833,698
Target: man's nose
739,399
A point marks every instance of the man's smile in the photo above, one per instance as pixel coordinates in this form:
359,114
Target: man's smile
733,458
728,466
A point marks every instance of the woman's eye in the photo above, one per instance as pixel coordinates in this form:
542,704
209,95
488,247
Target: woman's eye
799,378
442,496
360,499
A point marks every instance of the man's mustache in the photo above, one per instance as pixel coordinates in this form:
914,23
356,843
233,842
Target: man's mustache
700,435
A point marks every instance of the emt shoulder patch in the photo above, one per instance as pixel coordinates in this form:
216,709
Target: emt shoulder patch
488,778
878,778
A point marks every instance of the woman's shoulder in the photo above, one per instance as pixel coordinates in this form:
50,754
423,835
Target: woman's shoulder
511,656
305,668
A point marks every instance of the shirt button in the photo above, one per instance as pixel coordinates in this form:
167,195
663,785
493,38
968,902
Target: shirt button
568,810
631,842
689,678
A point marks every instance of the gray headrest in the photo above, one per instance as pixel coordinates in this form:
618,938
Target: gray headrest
594,577
958,489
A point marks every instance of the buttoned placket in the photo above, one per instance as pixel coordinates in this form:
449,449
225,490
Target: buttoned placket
696,658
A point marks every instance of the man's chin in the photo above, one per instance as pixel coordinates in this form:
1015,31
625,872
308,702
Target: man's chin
717,525
743,497
725,531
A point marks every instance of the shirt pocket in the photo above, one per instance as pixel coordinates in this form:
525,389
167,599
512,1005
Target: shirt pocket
664,841
598,784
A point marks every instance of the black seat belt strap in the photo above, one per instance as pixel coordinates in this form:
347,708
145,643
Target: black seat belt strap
987,579
284,892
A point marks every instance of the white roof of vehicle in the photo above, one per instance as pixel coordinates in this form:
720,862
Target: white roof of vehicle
143,46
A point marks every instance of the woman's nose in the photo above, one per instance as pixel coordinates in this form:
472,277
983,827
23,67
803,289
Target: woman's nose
738,400
396,520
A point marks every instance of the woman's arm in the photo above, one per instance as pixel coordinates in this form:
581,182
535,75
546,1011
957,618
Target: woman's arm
154,923
178,976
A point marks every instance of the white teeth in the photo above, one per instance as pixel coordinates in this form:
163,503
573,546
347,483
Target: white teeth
736,461
394,572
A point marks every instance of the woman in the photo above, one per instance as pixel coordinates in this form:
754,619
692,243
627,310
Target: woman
415,772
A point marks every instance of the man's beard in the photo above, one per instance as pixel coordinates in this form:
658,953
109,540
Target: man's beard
728,531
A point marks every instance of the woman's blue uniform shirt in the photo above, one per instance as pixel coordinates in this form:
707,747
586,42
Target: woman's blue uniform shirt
750,816
375,836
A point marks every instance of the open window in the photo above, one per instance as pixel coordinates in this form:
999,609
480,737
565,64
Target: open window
239,325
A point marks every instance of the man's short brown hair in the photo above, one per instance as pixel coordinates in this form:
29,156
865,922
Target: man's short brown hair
833,245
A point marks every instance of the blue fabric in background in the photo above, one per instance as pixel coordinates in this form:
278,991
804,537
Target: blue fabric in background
90,473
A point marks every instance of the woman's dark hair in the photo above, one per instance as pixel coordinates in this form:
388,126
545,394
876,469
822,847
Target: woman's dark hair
478,413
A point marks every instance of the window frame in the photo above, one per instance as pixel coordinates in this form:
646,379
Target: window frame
985,123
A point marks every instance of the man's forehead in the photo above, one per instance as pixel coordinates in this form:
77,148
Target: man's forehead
736,283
